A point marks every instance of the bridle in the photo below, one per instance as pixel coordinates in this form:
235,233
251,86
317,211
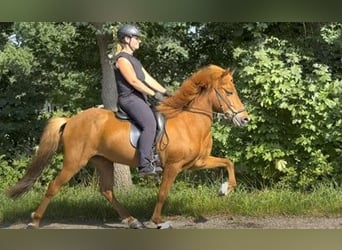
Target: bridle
227,114
230,115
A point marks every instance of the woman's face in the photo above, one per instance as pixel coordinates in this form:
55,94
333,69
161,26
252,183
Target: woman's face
133,42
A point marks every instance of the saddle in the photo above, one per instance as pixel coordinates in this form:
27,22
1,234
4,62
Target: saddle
135,132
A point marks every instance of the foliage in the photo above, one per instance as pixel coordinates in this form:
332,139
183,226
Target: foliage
163,53
10,172
40,65
44,67
293,102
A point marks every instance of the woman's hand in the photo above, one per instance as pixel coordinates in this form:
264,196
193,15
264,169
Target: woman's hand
158,96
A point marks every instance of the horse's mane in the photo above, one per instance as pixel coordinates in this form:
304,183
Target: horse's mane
203,79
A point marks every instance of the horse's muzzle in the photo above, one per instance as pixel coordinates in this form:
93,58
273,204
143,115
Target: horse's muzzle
240,119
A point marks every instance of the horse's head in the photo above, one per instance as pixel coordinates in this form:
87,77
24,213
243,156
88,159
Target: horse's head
226,100
216,86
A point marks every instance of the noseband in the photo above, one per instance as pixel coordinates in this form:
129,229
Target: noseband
227,114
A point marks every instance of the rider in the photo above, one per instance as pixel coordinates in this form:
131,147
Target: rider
134,84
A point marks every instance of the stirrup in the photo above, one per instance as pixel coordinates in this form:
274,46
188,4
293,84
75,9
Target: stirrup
150,170
156,159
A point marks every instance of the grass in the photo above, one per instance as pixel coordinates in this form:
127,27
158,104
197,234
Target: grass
86,203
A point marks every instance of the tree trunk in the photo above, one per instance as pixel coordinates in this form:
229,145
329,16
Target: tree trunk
109,92
122,177
122,173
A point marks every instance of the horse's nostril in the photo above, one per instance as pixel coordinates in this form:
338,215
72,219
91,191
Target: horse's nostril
245,120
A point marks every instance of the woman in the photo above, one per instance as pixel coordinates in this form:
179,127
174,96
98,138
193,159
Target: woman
134,84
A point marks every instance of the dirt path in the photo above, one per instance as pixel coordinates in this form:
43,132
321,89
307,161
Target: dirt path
223,222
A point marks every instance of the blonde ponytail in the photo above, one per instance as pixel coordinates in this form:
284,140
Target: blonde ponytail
119,48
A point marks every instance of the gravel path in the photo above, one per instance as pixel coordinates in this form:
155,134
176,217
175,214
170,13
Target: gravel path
217,222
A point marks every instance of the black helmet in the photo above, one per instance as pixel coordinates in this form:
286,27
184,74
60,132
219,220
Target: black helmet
127,30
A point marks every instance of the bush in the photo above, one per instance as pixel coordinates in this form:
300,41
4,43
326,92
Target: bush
294,137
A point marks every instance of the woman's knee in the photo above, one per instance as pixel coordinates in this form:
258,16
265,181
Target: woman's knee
150,126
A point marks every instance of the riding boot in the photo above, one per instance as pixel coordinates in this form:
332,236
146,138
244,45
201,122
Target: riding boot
154,167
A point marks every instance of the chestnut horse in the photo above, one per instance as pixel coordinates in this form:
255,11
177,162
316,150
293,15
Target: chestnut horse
96,135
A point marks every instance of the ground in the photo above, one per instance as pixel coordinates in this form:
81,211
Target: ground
216,222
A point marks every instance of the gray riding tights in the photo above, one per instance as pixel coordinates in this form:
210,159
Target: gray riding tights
142,116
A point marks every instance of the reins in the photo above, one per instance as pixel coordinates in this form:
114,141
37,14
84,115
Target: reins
200,111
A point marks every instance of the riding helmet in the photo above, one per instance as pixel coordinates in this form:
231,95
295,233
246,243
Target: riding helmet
127,30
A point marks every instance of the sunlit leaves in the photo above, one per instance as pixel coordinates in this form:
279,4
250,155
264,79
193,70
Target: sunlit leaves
294,102
332,32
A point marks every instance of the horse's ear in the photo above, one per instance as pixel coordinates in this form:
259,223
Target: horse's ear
231,70
228,71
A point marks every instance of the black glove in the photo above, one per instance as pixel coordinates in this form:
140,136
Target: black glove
158,96
167,93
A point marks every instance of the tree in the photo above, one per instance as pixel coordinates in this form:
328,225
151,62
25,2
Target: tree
104,37
104,40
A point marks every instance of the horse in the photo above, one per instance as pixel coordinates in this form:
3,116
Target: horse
97,136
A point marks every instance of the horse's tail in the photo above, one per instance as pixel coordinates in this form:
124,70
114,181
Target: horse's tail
48,146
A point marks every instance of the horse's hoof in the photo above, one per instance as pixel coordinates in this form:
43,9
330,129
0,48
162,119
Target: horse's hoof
150,225
224,189
33,215
164,225
135,224
31,226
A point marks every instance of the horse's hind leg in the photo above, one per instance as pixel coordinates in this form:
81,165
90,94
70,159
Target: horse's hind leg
67,172
105,171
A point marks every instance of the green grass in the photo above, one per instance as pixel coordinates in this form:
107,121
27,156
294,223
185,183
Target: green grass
86,203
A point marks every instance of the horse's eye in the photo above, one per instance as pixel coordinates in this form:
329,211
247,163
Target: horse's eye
228,92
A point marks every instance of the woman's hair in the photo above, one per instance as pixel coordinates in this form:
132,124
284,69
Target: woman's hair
118,48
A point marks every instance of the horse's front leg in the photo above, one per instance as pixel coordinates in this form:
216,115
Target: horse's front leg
169,175
214,162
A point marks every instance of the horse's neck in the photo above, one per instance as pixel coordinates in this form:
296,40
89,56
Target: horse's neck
199,113
201,107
